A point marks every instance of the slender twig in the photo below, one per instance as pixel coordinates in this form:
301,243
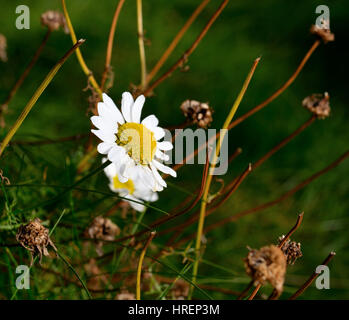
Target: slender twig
37,95
257,108
210,176
280,90
140,263
245,291
187,53
306,285
27,70
81,60
175,41
110,43
49,141
254,292
281,198
141,43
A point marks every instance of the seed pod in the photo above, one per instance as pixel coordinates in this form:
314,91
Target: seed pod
323,32
102,229
53,20
267,265
291,249
318,104
197,112
35,238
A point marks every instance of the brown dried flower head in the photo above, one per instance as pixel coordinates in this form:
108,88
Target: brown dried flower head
35,238
180,290
3,46
197,112
291,249
323,32
267,264
318,104
102,229
125,295
53,20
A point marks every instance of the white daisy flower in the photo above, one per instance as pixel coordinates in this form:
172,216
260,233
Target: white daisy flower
133,145
132,189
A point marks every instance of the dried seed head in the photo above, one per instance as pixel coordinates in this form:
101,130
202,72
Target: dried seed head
3,46
318,104
291,249
180,290
323,32
53,20
125,295
102,229
197,112
267,264
35,238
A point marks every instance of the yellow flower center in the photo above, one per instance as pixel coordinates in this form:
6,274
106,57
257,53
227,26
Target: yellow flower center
138,141
128,185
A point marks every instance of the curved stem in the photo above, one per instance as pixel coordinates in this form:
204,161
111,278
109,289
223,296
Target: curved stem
37,95
110,43
81,60
209,178
140,263
141,43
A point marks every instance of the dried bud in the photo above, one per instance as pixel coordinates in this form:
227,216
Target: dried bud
102,229
53,20
267,265
180,290
35,238
291,249
197,112
3,46
125,295
323,32
318,104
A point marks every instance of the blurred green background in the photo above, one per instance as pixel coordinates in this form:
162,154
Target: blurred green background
278,31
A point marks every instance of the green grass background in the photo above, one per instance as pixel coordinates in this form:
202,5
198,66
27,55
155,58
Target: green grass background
278,31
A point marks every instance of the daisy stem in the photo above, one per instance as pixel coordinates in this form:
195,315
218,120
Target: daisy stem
140,263
81,60
210,176
141,43
37,95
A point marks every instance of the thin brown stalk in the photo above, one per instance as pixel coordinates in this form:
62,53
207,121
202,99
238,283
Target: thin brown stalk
259,107
110,43
140,263
49,141
26,71
141,43
183,59
281,198
314,275
254,292
280,90
245,291
175,41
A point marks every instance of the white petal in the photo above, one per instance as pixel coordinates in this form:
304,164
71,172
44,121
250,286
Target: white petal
150,122
162,156
104,147
126,105
113,108
104,136
165,145
105,124
135,205
159,133
164,169
157,176
137,109
116,154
